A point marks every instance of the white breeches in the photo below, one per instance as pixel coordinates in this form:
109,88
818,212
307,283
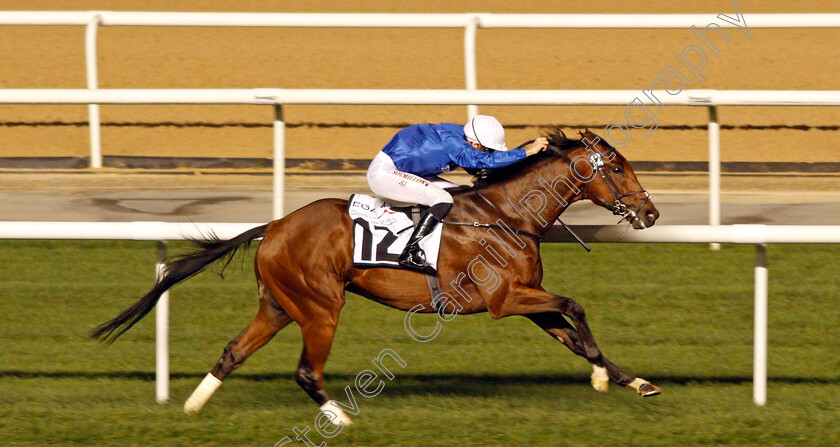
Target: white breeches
389,183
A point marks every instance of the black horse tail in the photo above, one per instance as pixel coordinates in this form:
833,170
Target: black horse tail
177,269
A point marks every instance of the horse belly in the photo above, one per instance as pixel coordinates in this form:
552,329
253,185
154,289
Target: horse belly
395,288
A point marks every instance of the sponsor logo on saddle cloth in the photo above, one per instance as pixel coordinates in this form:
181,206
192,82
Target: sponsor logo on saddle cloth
381,232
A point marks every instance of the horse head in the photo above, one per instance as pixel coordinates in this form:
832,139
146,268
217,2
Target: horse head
608,178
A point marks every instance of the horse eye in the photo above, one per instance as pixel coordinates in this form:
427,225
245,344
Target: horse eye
617,169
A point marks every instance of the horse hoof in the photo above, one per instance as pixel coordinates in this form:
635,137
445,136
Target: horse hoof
600,379
601,386
644,388
202,394
336,415
648,390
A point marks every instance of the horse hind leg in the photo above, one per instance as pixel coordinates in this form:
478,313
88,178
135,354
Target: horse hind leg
317,341
602,369
270,319
315,304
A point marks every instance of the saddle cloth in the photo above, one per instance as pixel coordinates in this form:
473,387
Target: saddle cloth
381,231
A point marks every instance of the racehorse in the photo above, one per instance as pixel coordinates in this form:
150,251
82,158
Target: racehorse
304,264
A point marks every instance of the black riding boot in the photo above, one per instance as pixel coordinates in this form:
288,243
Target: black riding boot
413,256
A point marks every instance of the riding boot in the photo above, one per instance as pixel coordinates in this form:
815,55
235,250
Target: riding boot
412,255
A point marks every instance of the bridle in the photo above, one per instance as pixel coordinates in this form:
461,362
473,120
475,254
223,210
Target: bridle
617,207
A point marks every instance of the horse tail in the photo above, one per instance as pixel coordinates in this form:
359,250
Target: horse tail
177,269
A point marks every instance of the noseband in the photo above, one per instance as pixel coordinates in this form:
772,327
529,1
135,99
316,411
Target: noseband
617,208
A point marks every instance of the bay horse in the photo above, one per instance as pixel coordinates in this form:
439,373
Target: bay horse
304,265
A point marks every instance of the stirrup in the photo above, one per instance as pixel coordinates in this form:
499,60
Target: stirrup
413,256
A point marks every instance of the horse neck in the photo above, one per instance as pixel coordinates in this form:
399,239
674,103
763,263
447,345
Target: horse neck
540,193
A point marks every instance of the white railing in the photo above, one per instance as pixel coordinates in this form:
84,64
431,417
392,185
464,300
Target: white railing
759,235
409,20
279,97
470,22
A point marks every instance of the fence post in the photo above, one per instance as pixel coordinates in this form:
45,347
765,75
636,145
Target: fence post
714,171
469,61
93,84
279,160
161,333
760,343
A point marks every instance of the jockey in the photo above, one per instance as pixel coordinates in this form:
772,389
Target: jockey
407,167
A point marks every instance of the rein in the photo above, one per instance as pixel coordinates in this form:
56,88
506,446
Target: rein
498,227
516,231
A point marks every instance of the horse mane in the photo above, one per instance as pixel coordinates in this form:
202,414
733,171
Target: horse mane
559,144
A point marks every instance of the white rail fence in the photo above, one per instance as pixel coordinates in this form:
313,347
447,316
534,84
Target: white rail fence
280,97
759,235
470,22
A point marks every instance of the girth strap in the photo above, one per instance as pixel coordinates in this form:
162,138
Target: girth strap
431,279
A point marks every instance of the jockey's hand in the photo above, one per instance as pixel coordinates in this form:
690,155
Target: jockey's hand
539,145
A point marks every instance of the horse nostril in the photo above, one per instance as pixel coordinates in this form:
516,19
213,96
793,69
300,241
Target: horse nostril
650,215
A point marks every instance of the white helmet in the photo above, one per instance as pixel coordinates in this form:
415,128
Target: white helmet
486,131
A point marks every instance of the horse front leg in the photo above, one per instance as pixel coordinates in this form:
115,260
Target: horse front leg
558,328
548,311
602,369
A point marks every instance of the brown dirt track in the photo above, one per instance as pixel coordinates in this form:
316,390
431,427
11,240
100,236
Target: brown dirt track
160,57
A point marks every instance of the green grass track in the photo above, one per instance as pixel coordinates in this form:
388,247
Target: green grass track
678,315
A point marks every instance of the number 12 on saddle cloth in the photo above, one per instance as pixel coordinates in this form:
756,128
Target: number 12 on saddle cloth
381,231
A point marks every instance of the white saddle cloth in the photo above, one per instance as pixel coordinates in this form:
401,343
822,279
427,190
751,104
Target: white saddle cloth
380,233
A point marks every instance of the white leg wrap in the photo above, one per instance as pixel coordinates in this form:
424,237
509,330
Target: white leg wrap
636,384
600,379
202,394
340,415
